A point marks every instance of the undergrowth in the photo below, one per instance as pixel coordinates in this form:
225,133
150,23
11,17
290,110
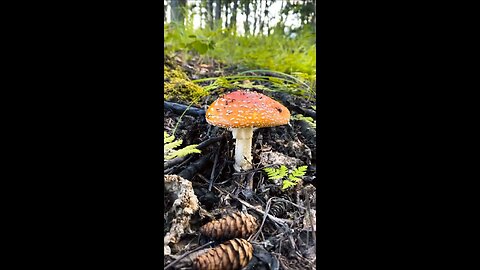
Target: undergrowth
273,52
169,151
290,180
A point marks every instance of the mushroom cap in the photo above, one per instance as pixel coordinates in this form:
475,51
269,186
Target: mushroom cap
242,109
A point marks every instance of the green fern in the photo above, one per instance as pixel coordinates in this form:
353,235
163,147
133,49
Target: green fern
291,180
298,172
169,151
276,174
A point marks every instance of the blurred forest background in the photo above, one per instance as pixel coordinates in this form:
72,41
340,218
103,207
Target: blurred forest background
278,35
246,16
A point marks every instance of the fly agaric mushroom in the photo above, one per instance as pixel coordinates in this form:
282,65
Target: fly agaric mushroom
241,111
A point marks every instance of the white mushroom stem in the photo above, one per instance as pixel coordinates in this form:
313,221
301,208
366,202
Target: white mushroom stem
243,148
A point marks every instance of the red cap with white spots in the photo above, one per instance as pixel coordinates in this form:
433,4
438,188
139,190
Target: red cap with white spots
242,109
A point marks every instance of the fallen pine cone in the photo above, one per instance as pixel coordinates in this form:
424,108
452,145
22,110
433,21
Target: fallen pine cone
231,255
232,226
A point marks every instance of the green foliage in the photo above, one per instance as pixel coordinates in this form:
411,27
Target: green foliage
307,119
273,52
276,174
280,174
169,151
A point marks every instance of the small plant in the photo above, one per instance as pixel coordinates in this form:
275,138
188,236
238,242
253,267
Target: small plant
281,174
169,151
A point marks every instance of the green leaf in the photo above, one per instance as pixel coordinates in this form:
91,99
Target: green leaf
287,184
199,46
276,174
300,171
167,138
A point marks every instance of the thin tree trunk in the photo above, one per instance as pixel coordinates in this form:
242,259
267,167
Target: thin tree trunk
210,13
247,23
263,16
226,5
255,17
218,9
314,19
233,19
177,11
267,17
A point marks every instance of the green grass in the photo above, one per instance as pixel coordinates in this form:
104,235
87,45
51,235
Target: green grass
275,52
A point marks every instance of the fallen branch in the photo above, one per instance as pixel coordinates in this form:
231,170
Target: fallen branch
180,108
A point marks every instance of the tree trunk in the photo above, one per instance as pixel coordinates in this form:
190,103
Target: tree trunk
233,19
267,17
227,3
314,19
218,9
177,11
247,23
255,17
210,13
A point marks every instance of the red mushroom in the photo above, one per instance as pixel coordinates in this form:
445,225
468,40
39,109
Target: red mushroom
241,111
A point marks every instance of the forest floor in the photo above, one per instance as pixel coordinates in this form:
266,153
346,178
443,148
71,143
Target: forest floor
285,236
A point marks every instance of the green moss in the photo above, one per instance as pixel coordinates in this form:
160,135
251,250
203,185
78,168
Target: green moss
179,88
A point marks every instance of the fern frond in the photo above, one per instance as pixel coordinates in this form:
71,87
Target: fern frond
190,149
172,145
276,174
293,178
167,138
287,184
283,171
300,171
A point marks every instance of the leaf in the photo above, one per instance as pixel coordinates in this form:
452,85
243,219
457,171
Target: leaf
287,184
172,145
167,138
276,174
199,46
300,171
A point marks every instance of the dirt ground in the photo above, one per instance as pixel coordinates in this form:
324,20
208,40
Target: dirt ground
285,238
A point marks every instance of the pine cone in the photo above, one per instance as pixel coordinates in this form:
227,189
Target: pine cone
232,226
231,255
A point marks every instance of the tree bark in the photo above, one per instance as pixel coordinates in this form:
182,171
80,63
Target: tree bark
227,3
314,19
218,9
210,13
233,19
247,14
255,17
177,11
